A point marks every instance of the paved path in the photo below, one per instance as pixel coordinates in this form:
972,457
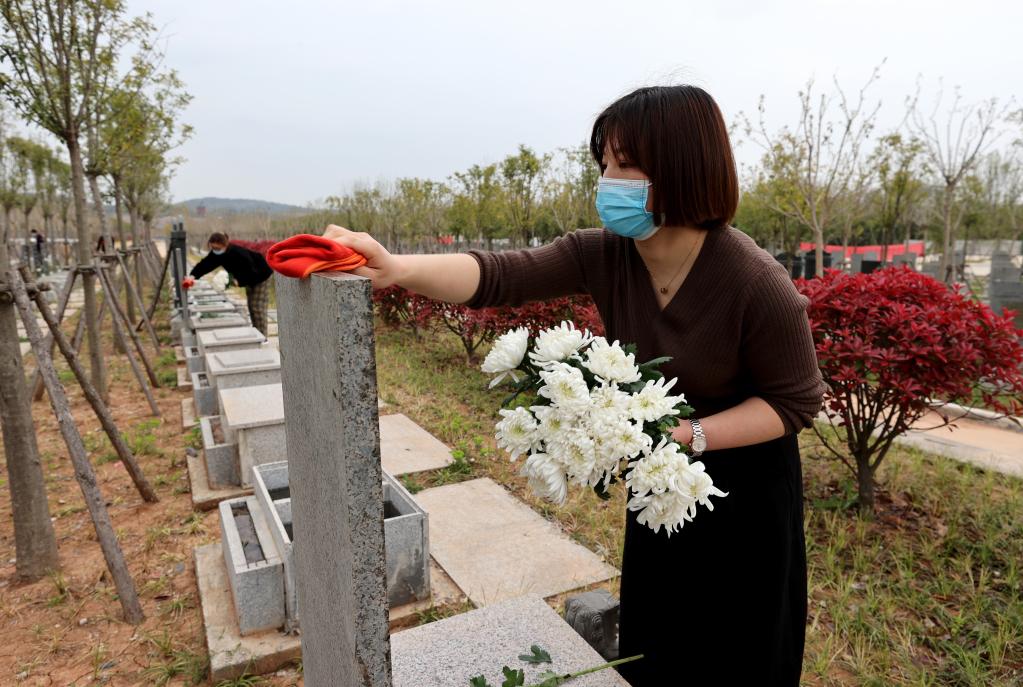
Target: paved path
971,441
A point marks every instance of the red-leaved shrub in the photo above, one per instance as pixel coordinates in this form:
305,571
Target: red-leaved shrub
261,246
891,343
474,328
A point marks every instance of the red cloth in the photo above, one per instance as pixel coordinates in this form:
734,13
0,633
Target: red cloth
301,255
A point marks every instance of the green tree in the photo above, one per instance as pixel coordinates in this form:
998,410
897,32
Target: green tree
522,175
478,209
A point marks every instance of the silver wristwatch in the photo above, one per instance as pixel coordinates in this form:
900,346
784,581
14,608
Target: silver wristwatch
698,444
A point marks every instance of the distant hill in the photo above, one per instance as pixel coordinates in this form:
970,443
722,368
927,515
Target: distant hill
227,206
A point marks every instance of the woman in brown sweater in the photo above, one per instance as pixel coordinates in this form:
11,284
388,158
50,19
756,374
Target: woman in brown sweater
723,602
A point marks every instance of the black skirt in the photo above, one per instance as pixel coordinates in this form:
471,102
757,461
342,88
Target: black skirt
723,602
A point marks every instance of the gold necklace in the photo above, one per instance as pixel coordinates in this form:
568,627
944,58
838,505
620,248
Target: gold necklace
664,289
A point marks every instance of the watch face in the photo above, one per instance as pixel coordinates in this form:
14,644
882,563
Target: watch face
699,444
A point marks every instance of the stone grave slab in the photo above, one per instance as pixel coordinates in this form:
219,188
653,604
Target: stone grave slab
232,654
184,378
199,323
205,497
405,447
188,418
229,339
250,367
449,652
254,417
473,526
222,306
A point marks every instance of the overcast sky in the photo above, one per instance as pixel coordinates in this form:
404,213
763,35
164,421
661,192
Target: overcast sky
297,100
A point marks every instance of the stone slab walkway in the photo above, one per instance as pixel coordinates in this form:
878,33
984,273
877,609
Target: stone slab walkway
405,447
495,547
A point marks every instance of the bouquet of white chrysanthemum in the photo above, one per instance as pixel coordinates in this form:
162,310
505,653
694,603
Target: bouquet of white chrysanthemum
220,279
596,415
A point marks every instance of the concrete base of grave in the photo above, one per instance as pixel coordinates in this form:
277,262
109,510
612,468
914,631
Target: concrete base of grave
184,380
205,497
452,651
179,354
231,654
188,415
473,526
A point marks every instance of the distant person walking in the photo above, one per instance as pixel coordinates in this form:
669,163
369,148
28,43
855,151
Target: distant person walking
247,267
38,248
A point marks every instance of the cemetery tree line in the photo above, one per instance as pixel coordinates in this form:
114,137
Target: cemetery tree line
952,170
88,117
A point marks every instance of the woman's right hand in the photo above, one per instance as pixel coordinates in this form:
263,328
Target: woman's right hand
381,267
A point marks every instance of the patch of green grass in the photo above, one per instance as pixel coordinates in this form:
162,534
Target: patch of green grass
194,438
155,535
66,376
69,510
171,663
927,592
245,680
63,592
142,439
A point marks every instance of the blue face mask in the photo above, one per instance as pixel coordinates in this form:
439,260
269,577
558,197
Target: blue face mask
215,251
621,204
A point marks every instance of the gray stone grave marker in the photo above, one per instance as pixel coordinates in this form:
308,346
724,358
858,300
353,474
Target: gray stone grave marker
335,478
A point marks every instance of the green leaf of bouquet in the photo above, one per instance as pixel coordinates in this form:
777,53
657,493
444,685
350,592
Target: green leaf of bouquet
479,681
656,362
513,678
550,679
537,655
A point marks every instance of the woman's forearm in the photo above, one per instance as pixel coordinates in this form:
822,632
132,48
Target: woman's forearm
751,422
452,278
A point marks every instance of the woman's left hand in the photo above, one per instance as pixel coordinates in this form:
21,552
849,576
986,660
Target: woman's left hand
683,434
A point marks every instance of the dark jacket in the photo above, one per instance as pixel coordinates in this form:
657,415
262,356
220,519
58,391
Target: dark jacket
247,267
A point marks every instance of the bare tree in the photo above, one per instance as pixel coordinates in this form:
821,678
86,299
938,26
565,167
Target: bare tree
952,148
35,545
820,157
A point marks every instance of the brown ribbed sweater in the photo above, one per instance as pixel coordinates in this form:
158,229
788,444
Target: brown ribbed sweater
736,328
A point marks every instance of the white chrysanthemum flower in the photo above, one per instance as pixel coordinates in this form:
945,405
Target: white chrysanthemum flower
653,402
657,471
577,453
546,477
552,421
609,404
610,362
566,387
220,279
624,439
698,485
506,355
517,431
670,509
556,344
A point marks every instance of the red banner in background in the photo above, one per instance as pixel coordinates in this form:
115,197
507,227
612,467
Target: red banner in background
916,247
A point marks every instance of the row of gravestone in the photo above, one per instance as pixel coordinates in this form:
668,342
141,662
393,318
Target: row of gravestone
1005,286
805,265
237,396
237,381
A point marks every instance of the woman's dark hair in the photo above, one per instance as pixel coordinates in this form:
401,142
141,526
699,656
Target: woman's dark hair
218,238
678,138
